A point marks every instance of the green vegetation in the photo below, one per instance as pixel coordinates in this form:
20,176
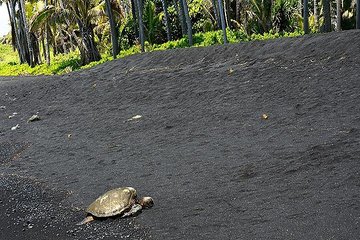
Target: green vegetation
65,63
62,63
75,34
7,54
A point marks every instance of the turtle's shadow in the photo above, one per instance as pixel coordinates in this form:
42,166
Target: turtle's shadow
113,218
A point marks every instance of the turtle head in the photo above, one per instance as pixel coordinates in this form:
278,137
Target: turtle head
146,202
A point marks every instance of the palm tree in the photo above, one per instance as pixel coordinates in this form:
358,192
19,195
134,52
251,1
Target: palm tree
327,17
83,11
338,15
68,28
181,14
245,15
237,10
114,32
188,22
27,33
166,19
216,13
227,8
315,13
47,42
50,21
23,40
13,39
262,11
14,31
306,17
222,18
134,15
357,14
141,23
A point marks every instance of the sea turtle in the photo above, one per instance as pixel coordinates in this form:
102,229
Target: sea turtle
119,201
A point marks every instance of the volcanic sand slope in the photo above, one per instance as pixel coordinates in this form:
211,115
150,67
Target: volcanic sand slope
215,167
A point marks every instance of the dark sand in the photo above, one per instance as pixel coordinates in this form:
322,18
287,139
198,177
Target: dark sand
215,168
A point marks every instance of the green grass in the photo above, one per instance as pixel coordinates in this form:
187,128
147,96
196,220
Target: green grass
7,54
60,64
64,63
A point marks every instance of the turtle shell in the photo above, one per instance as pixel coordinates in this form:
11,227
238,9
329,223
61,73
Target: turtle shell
113,202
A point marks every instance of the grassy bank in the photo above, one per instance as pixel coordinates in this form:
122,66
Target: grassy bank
64,63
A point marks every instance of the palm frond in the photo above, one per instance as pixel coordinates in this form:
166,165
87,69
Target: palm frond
41,18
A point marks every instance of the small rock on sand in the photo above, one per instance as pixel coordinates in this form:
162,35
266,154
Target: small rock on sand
15,127
136,117
13,115
34,118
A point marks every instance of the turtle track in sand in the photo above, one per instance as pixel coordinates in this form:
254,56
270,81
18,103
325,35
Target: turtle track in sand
10,151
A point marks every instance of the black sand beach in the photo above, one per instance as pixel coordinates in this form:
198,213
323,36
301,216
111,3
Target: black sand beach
214,166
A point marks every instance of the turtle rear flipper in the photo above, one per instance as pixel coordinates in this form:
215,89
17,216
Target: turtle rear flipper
86,220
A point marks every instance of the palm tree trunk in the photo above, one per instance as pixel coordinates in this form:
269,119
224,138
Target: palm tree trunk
327,17
43,45
338,15
47,46
35,46
88,50
141,25
237,10
21,50
227,12
222,17
23,43
246,23
167,25
216,13
63,45
60,31
181,15
188,22
315,13
306,17
27,34
134,15
114,41
357,14
12,25
54,40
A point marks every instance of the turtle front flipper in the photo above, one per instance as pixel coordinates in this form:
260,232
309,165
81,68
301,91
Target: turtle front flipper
135,209
86,220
